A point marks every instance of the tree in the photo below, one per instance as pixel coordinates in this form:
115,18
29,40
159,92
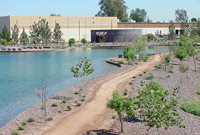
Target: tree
181,15
34,33
138,45
82,68
52,14
121,105
24,37
180,53
44,31
157,107
139,15
5,33
57,33
128,54
172,31
194,20
15,34
191,51
113,8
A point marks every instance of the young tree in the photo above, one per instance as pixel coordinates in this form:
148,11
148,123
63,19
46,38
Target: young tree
83,40
44,30
138,45
24,37
172,31
180,54
128,54
82,68
121,105
191,51
194,20
57,33
139,15
35,33
113,8
15,34
5,33
156,107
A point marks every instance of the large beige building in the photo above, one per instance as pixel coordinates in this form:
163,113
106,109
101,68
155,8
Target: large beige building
72,27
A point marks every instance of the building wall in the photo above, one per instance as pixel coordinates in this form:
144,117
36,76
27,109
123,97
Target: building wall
5,20
72,27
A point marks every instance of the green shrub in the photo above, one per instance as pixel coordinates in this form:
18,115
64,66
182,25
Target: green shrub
23,123
198,92
170,71
120,62
11,42
20,128
30,120
144,72
64,101
83,40
64,98
151,37
82,99
84,96
134,77
136,63
78,104
125,92
14,133
183,68
150,77
193,108
50,119
93,133
140,74
69,107
158,66
62,41
76,92
168,76
54,105
130,83
42,107
3,41
71,41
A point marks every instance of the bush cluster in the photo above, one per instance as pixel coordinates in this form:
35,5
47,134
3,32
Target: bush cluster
193,108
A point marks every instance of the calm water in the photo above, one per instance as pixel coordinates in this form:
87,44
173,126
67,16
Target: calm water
20,74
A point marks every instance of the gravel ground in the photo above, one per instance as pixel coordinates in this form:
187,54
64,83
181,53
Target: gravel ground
188,86
35,111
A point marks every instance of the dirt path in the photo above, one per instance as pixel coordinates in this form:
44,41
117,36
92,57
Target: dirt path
93,115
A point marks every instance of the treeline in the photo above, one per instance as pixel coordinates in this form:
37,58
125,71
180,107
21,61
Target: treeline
40,33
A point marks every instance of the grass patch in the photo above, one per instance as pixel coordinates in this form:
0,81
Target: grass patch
64,101
30,120
69,108
193,108
170,71
159,66
21,128
120,62
14,133
23,123
54,105
50,119
198,92
168,76
150,77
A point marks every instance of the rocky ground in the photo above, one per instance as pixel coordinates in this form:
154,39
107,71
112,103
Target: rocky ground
189,82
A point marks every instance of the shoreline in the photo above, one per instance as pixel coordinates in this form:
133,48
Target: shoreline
35,112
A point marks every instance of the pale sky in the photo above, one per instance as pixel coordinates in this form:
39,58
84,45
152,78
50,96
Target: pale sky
157,10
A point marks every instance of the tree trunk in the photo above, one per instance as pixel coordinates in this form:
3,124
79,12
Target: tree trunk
122,129
195,64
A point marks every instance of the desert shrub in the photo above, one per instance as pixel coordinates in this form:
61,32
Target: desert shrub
30,120
170,71
151,37
143,57
82,99
14,133
120,62
64,101
130,83
136,63
54,105
183,68
76,92
69,107
83,40
134,77
50,119
84,96
78,104
193,108
150,77
198,92
23,123
125,92
20,127
140,74
159,66
3,41
168,76
71,41
114,117
144,72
